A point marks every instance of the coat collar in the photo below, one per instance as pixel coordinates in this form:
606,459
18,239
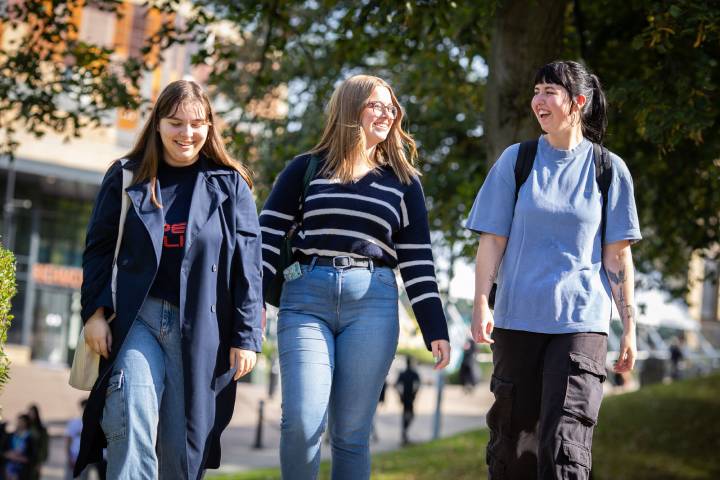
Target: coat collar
206,198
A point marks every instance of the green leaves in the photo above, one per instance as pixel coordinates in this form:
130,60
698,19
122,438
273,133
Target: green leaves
50,80
7,292
664,106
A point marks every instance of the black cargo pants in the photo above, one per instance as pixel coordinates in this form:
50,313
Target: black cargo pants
548,390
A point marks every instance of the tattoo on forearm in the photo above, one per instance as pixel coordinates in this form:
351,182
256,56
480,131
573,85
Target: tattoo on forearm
627,312
617,278
630,314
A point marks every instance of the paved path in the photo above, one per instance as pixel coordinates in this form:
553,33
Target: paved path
47,387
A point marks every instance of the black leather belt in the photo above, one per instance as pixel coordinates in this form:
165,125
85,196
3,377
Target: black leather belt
341,261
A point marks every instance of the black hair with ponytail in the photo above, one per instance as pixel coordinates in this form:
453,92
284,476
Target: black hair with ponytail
577,80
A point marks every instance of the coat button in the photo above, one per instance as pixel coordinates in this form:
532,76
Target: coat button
124,262
212,308
214,268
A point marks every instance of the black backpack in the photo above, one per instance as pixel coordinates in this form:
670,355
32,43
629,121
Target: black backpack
523,167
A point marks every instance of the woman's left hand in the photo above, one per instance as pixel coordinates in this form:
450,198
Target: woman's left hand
441,353
243,360
628,353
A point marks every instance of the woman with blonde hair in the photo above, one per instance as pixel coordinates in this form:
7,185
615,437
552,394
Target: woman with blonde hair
188,296
362,215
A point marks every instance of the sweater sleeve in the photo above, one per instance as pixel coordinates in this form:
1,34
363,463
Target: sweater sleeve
417,267
279,213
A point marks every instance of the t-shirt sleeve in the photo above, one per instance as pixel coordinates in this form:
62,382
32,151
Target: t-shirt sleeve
622,218
494,205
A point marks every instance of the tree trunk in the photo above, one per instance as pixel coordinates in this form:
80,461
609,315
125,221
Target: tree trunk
525,36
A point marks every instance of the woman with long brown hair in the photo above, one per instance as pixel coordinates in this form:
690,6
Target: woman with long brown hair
362,216
187,319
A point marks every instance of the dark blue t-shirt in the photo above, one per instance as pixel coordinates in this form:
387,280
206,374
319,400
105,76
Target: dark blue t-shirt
176,188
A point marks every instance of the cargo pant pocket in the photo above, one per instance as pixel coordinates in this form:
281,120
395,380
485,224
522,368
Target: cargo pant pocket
114,418
499,421
574,461
584,389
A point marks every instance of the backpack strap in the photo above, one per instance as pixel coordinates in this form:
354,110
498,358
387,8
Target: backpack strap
603,177
523,167
310,171
524,163
309,175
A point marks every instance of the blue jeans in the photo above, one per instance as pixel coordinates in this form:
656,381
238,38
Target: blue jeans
144,412
337,336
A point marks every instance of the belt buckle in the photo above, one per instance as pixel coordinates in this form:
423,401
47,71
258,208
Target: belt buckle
342,262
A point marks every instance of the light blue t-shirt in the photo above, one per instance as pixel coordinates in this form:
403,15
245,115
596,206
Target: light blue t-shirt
551,278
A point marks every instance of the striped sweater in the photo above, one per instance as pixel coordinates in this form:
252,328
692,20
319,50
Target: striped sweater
376,217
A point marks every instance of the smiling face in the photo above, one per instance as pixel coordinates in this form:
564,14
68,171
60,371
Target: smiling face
183,134
553,109
377,125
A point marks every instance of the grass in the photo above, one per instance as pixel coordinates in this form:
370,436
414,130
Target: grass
663,432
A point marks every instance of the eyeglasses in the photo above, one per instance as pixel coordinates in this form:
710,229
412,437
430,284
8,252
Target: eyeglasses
380,108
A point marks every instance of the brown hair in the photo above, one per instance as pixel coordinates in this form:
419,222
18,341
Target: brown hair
343,139
148,149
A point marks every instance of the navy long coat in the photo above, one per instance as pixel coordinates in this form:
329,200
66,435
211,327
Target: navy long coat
220,295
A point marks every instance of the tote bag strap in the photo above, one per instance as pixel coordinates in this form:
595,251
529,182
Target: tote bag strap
124,205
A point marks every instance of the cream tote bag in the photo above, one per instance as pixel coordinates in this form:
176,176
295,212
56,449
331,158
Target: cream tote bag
86,362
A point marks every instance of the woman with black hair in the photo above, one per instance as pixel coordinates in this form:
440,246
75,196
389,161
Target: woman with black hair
556,219
41,439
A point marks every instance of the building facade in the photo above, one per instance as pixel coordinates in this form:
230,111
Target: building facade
52,184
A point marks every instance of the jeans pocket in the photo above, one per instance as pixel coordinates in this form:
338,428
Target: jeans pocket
113,420
385,276
584,388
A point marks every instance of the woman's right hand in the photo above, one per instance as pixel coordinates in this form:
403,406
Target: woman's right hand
482,323
97,333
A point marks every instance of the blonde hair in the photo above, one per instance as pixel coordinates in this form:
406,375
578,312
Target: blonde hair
343,139
148,149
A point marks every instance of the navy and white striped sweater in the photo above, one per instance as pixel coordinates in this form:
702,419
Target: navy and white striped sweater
376,217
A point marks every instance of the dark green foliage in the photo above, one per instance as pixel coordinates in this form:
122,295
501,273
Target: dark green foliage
7,291
659,63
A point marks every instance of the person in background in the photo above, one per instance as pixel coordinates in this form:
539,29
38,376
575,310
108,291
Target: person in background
4,445
41,439
561,253
364,215
468,367
21,453
676,357
381,401
73,429
408,386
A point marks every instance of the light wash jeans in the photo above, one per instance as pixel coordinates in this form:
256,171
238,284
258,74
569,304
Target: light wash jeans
144,414
337,336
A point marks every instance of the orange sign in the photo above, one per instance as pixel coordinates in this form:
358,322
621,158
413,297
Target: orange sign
57,275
